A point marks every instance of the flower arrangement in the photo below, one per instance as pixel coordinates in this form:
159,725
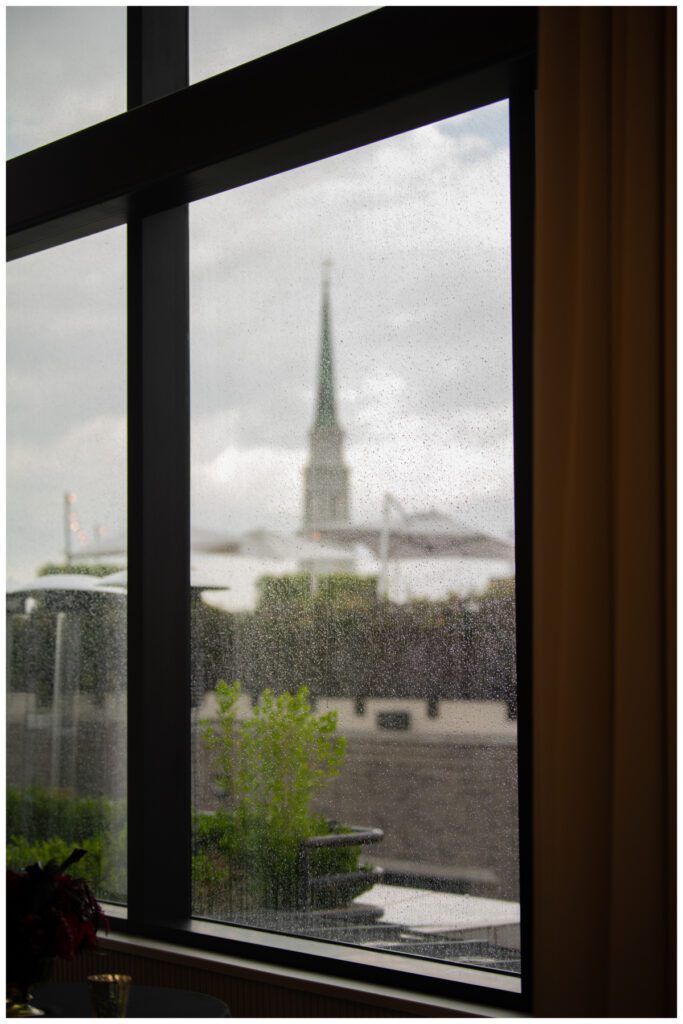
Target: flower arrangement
49,914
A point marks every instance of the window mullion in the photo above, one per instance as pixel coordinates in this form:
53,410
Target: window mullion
522,178
159,767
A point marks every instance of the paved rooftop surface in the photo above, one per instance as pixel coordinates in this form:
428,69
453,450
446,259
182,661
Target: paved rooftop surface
421,910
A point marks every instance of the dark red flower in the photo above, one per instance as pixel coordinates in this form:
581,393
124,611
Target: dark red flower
49,914
65,940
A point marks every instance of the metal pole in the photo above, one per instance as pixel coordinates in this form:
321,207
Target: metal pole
57,687
384,548
68,502
387,503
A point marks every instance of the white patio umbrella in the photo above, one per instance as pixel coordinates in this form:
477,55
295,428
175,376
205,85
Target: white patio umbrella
422,535
61,591
252,544
288,547
58,581
418,535
201,540
197,581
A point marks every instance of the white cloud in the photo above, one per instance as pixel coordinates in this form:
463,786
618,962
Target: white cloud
66,70
242,489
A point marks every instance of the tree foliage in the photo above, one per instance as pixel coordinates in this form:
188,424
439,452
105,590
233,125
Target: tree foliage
268,769
45,825
78,569
271,765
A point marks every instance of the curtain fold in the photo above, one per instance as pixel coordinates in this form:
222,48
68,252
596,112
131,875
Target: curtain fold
604,324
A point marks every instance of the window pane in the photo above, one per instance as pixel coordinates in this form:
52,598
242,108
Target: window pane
66,70
225,37
352,487
66,622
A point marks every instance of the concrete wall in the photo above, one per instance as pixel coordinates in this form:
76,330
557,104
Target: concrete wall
447,809
78,745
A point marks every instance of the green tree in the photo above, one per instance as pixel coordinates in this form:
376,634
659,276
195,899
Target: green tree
268,768
44,824
271,765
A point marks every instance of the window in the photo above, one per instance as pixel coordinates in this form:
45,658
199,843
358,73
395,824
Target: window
350,341
66,627
435,64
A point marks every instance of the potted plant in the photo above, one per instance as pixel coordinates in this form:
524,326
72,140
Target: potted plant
49,914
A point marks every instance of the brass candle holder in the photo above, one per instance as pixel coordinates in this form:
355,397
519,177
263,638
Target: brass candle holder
109,994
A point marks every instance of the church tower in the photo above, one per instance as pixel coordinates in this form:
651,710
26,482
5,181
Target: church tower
326,478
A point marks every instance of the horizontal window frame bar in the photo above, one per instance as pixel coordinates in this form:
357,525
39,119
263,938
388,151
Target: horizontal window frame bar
411,66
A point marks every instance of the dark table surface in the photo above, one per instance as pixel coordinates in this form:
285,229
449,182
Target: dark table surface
66,999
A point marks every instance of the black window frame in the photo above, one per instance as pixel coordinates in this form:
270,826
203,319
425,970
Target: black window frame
410,67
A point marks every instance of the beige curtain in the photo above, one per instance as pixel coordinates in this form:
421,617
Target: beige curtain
603,705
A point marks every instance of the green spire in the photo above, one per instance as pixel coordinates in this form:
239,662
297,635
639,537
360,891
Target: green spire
326,414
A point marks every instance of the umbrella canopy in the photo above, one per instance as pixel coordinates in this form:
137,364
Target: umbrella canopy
67,592
420,535
210,542
423,535
59,581
288,547
201,540
430,534
269,545
197,581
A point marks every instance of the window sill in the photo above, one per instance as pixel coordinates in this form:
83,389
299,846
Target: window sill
387,996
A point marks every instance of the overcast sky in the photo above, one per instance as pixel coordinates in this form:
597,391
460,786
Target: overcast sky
417,228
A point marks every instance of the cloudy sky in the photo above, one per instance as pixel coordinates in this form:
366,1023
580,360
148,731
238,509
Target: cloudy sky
417,228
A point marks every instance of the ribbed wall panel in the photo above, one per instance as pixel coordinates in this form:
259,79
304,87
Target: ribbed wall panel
246,997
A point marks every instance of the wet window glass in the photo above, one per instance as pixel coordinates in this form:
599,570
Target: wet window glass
66,594
353,652
66,70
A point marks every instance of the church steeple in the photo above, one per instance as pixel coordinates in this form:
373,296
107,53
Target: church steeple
326,486
326,413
